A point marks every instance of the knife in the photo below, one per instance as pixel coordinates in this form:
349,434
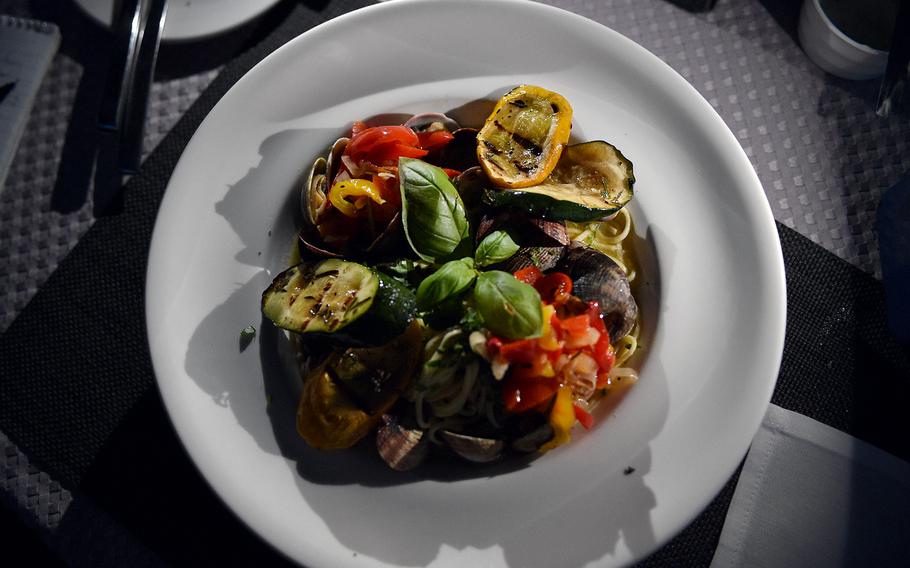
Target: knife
125,103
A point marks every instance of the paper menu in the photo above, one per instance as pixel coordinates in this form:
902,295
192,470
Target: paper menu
26,50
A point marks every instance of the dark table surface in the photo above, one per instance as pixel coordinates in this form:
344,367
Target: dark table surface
100,497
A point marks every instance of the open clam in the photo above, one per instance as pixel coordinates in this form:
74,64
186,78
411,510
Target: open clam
597,277
313,193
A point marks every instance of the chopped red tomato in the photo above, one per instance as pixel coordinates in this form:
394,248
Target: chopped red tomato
540,368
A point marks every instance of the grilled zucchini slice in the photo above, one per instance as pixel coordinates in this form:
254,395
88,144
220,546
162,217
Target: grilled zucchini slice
346,301
592,180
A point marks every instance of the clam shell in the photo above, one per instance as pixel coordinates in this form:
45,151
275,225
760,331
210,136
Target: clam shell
420,122
596,277
401,448
479,450
313,193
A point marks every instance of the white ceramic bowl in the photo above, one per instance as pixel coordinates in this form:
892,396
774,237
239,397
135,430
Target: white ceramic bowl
834,51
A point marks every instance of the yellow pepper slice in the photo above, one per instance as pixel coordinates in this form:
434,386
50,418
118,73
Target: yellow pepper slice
350,196
326,418
522,139
562,419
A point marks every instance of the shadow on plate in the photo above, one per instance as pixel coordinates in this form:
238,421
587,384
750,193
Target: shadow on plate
368,507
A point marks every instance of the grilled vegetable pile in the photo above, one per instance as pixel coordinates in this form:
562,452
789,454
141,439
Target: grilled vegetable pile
441,301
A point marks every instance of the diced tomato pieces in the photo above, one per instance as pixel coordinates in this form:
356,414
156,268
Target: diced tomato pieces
529,275
536,366
583,416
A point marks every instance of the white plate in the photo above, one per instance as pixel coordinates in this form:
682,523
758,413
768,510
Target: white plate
715,307
191,19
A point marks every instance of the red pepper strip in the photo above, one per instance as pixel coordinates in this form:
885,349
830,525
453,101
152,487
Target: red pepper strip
389,153
603,354
583,416
384,143
434,140
451,173
596,316
529,275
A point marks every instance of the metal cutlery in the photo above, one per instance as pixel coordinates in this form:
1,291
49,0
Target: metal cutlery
137,26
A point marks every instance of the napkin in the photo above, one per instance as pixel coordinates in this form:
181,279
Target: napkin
811,495
26,50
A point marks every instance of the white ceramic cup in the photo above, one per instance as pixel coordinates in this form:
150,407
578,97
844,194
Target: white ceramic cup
833,51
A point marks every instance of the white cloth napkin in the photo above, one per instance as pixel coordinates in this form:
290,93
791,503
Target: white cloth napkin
811,495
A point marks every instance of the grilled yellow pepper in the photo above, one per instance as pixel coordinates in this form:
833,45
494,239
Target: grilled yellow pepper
522,139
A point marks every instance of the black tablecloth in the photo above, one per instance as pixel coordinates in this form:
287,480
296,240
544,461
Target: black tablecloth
77,392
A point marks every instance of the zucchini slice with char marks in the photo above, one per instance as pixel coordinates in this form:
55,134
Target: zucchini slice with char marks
592,181
343,300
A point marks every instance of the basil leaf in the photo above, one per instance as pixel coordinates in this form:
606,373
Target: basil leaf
433,214
452,278
495,247
509,308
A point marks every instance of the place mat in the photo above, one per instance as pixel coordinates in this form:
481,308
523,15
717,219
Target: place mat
77,390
